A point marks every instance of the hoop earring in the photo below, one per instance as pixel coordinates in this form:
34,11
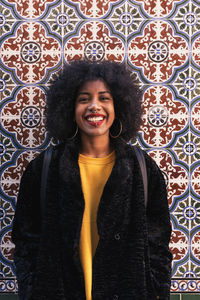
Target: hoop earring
71,138
120,131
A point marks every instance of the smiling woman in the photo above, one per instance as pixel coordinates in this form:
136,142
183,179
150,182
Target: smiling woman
96,240
118,80
94,114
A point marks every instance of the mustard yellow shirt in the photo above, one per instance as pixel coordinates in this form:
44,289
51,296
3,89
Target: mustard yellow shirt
94,175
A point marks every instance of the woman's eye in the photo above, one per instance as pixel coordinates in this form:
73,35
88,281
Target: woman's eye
104,98
83,99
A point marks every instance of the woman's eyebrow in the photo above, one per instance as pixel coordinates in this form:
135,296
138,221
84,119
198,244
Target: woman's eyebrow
81,93
86,93
104,92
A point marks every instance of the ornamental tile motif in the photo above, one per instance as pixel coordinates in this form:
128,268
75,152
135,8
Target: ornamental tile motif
62,20
187,83
195,181
195,246
7,20
164,116
30,53
158,40
187,18
7,149
186,285
187,213
95,8
175,175
188,269
157,9
124,19
158,52
94,43
11,174
30,9
179,245
24,117
187,146
196,51
7,85
195,117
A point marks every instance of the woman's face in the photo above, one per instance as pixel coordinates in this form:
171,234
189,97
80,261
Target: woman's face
94,109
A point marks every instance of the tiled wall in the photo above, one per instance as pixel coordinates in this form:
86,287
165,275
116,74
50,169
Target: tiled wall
160,41
177,296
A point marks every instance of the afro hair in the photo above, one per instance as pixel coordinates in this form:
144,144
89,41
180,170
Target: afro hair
63,89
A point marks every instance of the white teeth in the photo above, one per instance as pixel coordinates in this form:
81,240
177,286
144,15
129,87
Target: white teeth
95,119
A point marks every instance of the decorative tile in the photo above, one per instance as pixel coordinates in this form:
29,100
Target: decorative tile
93,9
176,176
186,18
24,119
179,245
94,42
157,52
124,18
30,9
63,20
8,286
7,268
187,148
7,85
187,83
195,180
196,51
7,149
11,174
186,285
187,213
31,53
6,245
195,245
7,20
157,9
164,116
188,270
195,117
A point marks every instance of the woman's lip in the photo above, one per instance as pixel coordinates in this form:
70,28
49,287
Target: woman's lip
94,115
96,124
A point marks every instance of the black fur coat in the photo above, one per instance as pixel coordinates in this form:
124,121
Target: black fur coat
132,260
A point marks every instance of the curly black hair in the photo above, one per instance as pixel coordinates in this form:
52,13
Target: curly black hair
63,90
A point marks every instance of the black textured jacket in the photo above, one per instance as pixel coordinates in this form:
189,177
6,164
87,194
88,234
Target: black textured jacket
132,260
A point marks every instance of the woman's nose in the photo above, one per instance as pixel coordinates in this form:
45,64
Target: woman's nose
94,105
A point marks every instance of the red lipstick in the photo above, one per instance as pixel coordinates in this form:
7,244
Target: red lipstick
95,119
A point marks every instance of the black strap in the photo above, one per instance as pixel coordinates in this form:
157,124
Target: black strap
141,160
45,168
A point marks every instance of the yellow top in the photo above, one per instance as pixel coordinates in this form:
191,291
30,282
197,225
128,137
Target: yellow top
94,175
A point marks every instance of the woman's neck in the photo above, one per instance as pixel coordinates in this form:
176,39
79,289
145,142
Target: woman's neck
96,146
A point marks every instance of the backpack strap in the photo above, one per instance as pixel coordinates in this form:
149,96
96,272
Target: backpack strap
45,168
143,168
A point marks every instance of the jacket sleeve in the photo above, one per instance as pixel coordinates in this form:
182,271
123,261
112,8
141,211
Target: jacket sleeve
26,230
159,231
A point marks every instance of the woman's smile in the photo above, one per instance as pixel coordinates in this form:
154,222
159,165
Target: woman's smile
95,119
94,110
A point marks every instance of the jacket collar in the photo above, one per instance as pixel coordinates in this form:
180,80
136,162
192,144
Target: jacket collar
121,147
116,195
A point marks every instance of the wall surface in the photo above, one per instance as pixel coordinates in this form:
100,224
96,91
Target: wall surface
160,41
